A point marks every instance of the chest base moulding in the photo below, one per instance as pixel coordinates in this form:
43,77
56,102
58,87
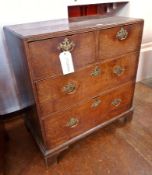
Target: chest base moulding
66,108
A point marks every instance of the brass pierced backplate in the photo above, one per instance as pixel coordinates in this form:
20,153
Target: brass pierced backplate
122,34
96,71
72,122
118,70
69,88
116,102
96,103
66,45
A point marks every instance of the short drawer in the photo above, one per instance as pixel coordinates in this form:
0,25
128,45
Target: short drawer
44,54
119,40
66,125
56,94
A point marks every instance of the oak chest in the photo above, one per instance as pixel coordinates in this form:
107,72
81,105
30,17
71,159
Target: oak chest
66,108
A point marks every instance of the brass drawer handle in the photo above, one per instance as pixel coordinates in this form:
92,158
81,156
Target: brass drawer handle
96,103
69,88
122,34
73,122
116,102
66,45
96,71
118,70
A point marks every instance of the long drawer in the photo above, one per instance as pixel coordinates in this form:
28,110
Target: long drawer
56,94
62,127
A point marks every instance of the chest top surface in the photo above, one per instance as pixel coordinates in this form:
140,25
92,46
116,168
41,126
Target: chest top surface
29,31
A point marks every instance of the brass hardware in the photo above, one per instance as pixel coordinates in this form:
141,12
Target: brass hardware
96,71
122,34
72,122
118,70
96,103
116,102
69,88
66,45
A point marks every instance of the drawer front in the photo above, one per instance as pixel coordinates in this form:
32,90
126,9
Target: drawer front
45,53
66,125
64,91
119,40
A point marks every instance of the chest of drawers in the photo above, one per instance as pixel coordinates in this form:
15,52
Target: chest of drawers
66,108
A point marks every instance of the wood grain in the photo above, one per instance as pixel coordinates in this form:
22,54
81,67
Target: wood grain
45,54
56,129
51,95
108,151
54,28
37,55
111,46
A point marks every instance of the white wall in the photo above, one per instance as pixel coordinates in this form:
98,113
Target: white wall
142,9
22,11
14,12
